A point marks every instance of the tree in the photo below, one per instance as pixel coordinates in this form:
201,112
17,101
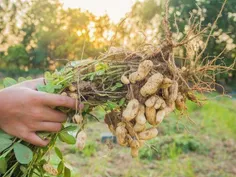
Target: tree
17,57
51,33
146,17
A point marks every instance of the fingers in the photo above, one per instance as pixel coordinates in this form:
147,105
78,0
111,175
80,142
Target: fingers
57,100
32,84
34,139
51,115
49,127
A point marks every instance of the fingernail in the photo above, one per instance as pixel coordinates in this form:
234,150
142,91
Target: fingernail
81,106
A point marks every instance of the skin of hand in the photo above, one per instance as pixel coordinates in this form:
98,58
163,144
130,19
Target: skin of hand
25,111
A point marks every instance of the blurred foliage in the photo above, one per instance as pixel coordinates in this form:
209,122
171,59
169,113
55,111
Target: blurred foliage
171,147
90,149
144,24
46,35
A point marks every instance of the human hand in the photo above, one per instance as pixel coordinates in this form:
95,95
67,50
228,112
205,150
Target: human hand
25,111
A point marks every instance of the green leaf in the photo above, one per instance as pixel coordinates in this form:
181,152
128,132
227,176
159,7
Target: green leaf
4,143
58,152
41,88
3,165
47,75
5,135
101,66
101,72
70,128
7,82
118,85
67,172
67,138
50,88
23,154
60,167
92,77
98,112
112,105
122,102
21,79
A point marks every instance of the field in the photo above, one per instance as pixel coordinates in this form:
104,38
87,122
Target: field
201,147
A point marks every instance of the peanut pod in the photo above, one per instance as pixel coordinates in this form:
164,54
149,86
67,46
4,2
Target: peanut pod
159,103
148,134
125,80
151,115
160,116
173,92
139,127
121,133
78,118
166,83
81,140
142,72
152,85
131,110
140,118
72,88
150,102
180,102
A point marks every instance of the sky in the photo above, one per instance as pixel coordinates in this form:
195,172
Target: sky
116,9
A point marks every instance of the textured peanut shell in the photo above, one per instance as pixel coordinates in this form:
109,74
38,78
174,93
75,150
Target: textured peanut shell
173,92
121,135
125,80
160,116
166,83
78,118
150,102
139,127
151,115
159,103
131,110
140,118
143,70
180,102
148,134
152,85
81,140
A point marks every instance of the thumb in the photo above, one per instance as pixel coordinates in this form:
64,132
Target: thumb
32,84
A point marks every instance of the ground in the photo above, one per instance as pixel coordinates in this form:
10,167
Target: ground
205,148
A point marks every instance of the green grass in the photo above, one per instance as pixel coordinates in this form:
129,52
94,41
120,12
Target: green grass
182,149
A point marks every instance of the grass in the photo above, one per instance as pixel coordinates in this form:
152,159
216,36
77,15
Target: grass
183,149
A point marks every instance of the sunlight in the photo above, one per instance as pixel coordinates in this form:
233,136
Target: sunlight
92,30
79,33
108,34
116,9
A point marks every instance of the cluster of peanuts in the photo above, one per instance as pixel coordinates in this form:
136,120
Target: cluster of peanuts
139,121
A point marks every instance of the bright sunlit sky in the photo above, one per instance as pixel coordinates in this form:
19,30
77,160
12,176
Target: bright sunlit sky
116,9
